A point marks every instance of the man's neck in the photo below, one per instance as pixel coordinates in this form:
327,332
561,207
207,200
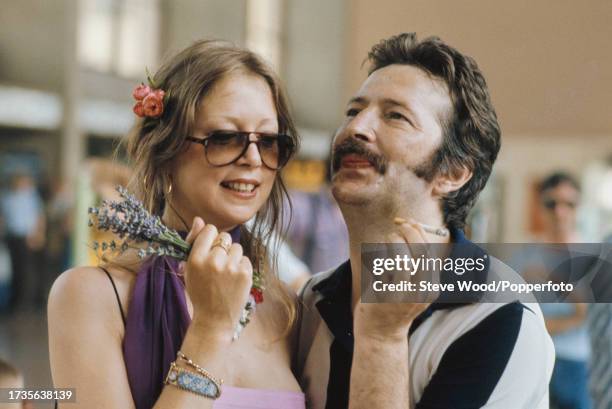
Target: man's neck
368,226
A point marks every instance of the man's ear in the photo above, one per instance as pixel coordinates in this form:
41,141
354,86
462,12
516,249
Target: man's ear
451,182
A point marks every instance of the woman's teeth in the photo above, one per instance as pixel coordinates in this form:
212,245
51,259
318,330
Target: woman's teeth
241,187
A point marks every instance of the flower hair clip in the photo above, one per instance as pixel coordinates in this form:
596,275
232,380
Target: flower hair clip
149,100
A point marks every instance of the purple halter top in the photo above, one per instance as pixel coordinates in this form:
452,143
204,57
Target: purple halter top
156,324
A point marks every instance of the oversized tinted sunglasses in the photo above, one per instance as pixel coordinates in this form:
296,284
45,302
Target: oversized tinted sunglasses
223,148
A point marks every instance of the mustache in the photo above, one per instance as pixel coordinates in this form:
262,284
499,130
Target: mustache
356,147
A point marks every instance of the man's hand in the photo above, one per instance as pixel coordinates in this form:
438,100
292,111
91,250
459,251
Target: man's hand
389,319
380,368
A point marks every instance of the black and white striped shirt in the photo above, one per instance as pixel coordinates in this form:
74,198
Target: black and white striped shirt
481,355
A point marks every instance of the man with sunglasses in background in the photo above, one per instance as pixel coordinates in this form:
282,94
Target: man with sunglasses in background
416,147
559,195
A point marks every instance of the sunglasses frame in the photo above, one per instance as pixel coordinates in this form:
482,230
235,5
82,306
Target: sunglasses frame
246,135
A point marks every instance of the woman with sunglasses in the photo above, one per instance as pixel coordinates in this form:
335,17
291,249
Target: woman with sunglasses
206,159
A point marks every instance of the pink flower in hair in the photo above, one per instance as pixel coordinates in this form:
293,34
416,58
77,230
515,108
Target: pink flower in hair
139,109
153,104
149,99
141,91
159,93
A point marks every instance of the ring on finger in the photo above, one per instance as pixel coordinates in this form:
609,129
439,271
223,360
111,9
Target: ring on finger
223,242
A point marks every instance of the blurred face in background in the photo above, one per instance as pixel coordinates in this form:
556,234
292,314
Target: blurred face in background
22,181
227,195
391,131
559,204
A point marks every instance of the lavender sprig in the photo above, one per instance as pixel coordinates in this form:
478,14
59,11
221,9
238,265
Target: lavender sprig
130,221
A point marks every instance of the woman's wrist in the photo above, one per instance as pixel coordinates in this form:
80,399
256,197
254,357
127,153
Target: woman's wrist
206,348
212,333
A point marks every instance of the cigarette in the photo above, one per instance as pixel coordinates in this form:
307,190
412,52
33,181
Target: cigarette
438,231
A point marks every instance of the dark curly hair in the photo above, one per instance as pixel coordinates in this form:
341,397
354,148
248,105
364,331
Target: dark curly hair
555,179
471,132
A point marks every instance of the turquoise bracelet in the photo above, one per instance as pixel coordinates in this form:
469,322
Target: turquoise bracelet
192,382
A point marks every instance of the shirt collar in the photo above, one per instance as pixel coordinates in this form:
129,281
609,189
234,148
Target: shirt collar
338,283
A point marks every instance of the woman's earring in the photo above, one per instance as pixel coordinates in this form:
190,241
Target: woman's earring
169,188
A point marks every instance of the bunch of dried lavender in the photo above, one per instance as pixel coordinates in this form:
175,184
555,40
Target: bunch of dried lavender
131,222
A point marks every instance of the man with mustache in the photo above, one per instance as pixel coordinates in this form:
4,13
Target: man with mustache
416,147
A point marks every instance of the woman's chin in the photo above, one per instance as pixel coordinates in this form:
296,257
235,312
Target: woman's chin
239,216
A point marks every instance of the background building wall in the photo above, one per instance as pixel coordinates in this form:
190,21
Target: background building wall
547,62
31,43
314,61
184,21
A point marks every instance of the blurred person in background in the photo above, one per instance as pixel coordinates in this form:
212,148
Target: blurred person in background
317,233
59,227
5,274
23,217
105,176
600,331
11,378
58,212
205,160
559,195
291,269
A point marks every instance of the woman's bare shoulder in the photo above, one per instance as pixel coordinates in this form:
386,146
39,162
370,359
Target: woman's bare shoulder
77,284
85,338
82,293
85,282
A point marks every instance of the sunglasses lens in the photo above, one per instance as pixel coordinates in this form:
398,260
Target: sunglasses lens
269,150
275,150
287,148
224,147
550,204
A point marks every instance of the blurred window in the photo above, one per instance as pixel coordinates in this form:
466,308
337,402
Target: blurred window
264,29
119,36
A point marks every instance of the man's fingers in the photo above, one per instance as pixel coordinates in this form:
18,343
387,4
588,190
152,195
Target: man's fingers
411,231
416,239
421,232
